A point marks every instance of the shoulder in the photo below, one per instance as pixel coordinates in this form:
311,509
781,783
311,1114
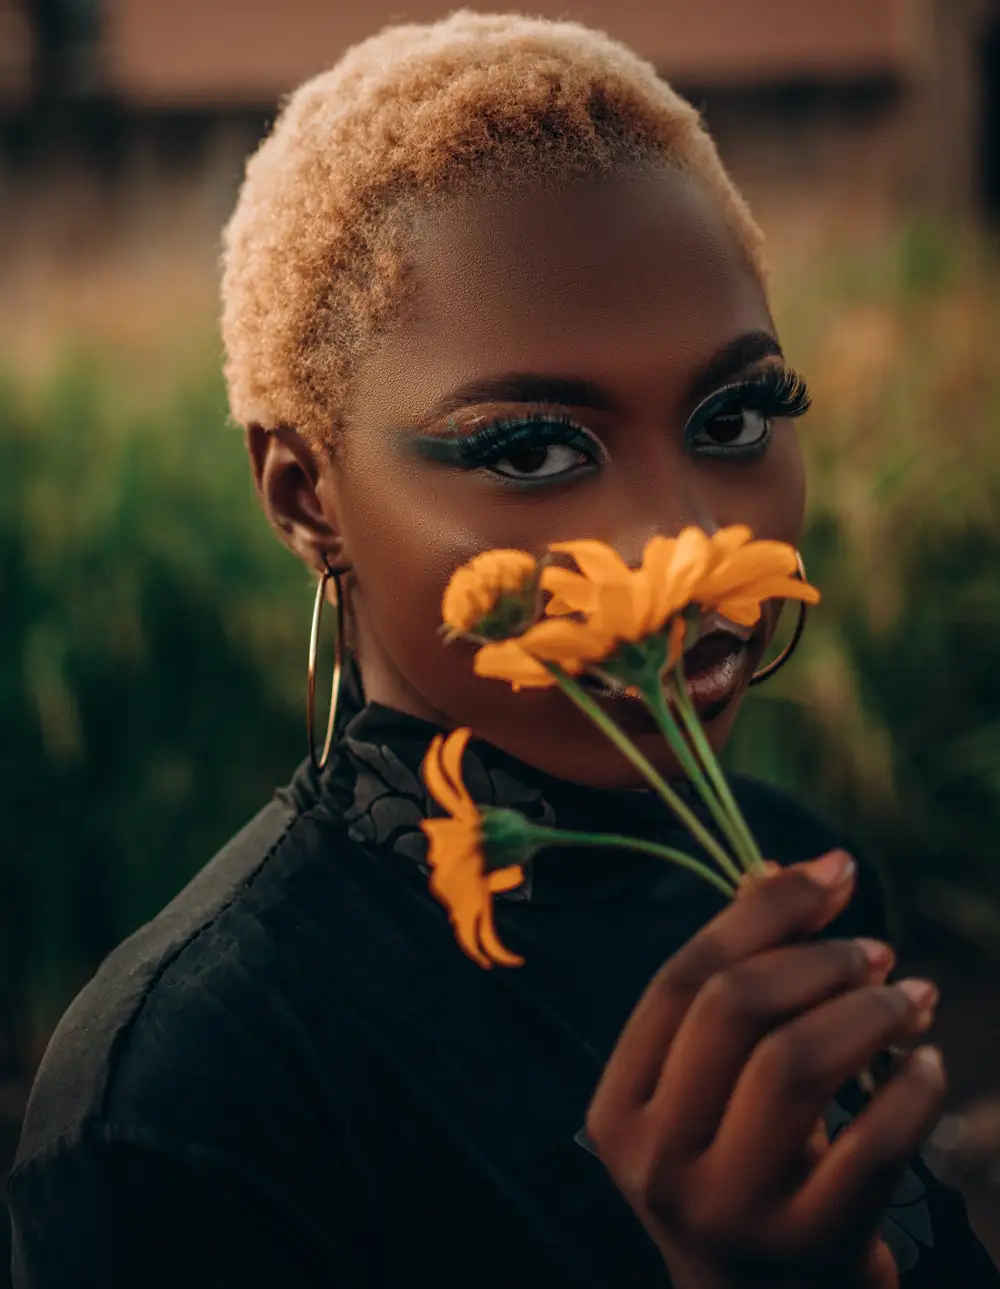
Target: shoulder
790,833
177,1019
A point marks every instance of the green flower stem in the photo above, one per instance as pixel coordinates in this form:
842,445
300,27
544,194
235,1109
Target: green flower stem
558,837
628,749
701,744
660,708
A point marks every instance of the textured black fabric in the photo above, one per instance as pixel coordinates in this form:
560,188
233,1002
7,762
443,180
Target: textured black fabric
292,1076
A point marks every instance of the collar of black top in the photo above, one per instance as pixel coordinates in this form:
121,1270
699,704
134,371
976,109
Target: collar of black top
376,777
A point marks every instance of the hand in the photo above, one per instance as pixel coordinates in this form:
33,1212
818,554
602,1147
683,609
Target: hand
708,1115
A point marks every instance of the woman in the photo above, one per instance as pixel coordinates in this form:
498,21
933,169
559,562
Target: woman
480,281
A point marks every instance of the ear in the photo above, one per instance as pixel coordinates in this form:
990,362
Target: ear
294,483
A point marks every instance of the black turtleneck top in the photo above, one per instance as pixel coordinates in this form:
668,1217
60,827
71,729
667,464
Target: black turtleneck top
292,1076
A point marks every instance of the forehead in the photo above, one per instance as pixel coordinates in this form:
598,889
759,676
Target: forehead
621,280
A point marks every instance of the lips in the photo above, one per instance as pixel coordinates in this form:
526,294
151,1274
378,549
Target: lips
714,669
710,651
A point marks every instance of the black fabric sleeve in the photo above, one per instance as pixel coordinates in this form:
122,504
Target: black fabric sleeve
100,1212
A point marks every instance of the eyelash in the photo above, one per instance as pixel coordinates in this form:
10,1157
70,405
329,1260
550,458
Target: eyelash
484,447
775,392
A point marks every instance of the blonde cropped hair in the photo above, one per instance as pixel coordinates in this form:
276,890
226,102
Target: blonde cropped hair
314,255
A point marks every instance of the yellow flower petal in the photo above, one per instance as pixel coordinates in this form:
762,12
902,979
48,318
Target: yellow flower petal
728,571
491,944
727,540
459,882
742,612
473,590
745,566
785,588
505,879
623,611
441,787
597,560
571,592
670,567
616,598
743,606
568,643
451,768
691,557
506,660
657,562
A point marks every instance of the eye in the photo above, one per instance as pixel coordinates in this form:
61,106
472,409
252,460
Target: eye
733,427
735,423
537,449
543,461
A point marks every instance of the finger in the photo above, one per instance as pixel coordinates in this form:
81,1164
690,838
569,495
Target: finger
757,875
734,1011
795,1072
792,905
848,1192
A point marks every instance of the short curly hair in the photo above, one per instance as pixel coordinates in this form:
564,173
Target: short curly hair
314,255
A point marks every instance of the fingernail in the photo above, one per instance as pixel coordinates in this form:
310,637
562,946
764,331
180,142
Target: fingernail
927,1063
878,954
922,993
831,870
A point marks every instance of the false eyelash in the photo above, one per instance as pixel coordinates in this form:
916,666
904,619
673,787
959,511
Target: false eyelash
773,391
491,443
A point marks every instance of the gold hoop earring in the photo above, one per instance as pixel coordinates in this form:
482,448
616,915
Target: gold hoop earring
331,574
765,673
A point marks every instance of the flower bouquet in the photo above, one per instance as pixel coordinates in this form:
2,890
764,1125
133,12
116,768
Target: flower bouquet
539,624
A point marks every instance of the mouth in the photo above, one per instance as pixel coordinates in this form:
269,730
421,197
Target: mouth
715,668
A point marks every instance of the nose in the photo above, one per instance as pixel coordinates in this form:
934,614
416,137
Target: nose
635,530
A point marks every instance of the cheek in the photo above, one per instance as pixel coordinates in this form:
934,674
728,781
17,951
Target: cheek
404,548
769,496
787,487
405,538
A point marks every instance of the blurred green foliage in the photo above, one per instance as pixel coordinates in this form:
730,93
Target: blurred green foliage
889,719
152,658
155,633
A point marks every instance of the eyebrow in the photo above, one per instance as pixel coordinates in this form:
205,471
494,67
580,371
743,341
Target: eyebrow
530,387
732,360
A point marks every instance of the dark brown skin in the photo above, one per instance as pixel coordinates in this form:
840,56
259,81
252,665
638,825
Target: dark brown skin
706,1114
634,286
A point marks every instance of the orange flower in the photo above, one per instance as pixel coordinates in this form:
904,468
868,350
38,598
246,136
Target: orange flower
743,573
456,855
627,603
491,581
573,645
728,572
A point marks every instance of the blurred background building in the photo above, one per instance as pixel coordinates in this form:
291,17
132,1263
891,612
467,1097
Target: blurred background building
887,101
151,661
124,123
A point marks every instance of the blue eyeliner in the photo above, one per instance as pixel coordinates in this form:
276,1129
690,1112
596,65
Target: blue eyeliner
480,448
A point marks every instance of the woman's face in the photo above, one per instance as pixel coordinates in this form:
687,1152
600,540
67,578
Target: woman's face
541,388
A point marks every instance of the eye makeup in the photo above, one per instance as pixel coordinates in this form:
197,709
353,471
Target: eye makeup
525,435
775,392
542,446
